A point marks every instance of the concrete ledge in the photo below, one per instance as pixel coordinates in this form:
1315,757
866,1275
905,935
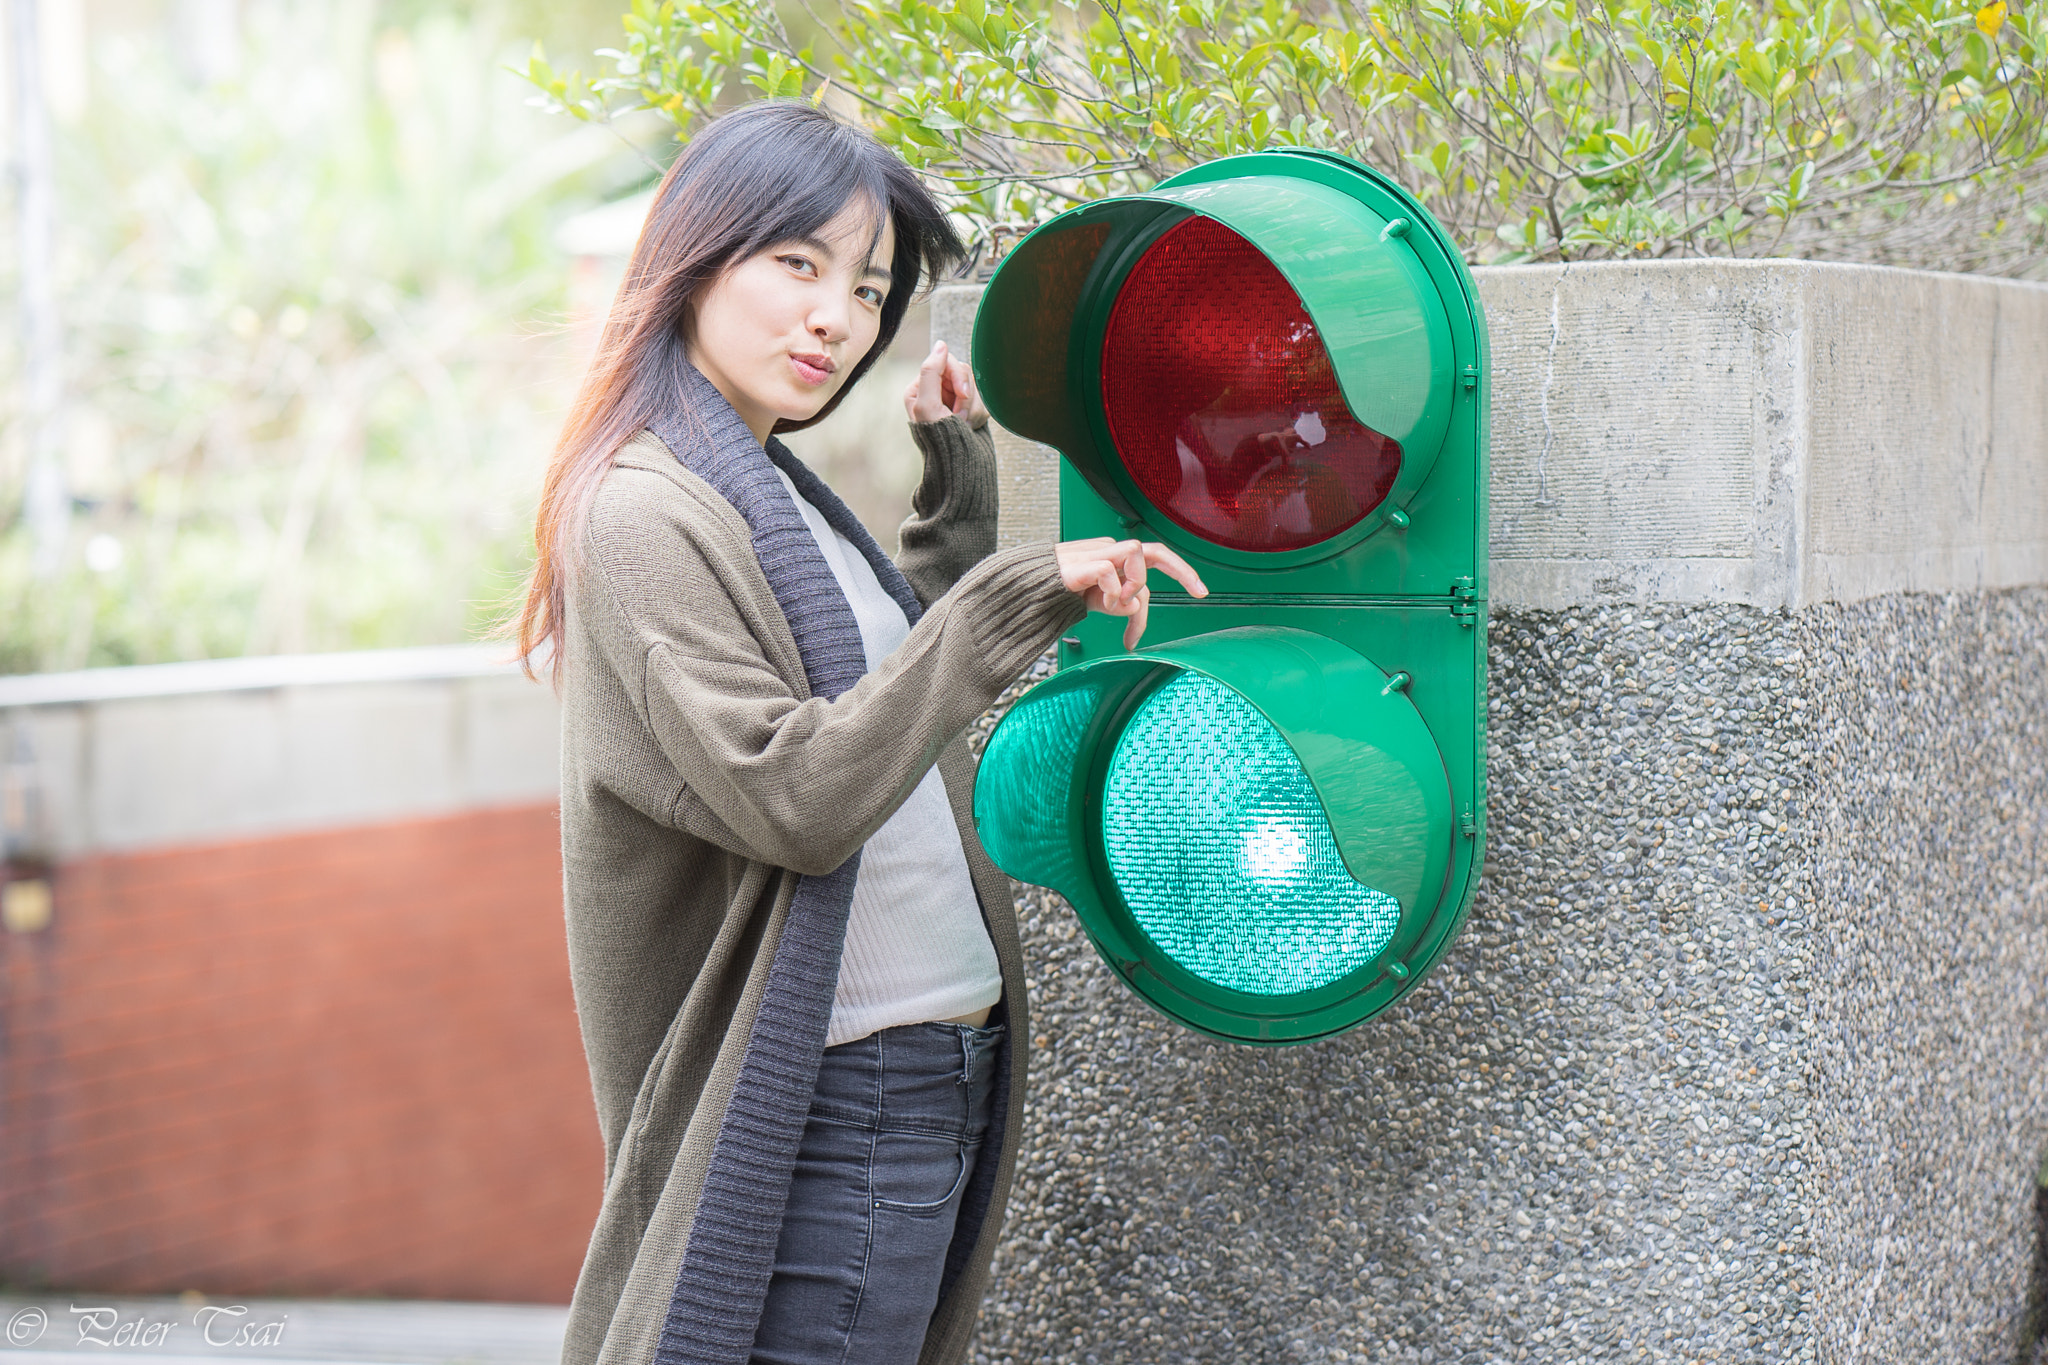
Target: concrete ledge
1768,433
132,758
241,675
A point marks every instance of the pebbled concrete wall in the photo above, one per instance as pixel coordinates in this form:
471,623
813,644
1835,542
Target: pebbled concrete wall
1928,854
1743,1056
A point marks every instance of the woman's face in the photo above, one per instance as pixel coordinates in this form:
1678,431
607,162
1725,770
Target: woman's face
778,333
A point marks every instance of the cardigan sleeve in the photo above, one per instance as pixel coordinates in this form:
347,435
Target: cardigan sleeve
797,783
952,522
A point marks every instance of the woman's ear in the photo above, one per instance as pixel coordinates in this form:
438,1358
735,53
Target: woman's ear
686,327
686,314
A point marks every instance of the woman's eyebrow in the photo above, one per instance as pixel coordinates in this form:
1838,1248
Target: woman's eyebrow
818,246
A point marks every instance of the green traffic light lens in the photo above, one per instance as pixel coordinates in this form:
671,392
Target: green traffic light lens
1252,825
1223,852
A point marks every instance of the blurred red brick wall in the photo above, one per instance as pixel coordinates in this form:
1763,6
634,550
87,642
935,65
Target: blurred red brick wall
344,1062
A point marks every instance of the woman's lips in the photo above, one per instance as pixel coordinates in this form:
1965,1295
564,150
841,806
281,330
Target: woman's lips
813,369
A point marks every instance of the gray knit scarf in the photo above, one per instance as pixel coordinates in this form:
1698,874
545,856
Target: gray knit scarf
716,1306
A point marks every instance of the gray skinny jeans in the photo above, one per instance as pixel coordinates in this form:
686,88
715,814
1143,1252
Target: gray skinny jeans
895,1128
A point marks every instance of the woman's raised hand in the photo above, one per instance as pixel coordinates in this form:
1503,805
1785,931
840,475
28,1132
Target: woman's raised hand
1111,573
944,387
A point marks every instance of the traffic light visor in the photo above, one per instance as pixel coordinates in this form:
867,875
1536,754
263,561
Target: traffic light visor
1251,355
1249,814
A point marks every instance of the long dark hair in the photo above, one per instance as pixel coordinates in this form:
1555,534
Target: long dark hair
762,174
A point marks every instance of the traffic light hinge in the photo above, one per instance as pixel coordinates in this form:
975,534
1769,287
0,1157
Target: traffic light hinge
1464,602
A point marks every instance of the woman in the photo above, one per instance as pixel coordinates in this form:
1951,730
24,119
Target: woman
797,974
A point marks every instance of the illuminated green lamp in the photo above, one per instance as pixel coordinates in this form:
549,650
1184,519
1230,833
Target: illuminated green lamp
1240,820
1269,819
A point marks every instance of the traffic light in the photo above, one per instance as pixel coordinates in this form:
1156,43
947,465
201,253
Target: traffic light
1268,817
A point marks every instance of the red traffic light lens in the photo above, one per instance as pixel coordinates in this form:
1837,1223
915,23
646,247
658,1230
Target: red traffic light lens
1222,401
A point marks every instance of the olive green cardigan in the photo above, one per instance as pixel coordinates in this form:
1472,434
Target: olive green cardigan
700,778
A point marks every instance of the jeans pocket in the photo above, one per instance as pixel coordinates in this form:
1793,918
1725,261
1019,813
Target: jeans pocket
919,1174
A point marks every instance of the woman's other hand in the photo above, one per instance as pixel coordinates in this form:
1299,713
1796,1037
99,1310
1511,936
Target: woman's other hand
944,387
1111,574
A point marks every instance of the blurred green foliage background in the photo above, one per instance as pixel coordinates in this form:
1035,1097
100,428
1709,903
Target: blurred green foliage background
317,332
320,324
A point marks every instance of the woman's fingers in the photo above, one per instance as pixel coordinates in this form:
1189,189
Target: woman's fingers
926,400
1093,545
964,397
1084,562
1108,588
1112,575
1092,575
1133,570
1134,629
1137,595
944,387
960,380
1176,568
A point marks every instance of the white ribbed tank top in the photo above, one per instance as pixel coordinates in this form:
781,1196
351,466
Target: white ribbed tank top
916,948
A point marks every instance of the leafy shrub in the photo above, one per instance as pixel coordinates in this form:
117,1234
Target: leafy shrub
1908,132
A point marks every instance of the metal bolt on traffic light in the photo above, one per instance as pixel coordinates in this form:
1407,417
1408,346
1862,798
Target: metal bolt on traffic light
1268,818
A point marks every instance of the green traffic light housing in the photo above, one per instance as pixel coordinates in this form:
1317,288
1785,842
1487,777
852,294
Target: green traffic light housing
1269,818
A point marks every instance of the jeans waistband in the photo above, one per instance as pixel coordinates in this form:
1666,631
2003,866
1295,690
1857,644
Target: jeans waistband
929,1078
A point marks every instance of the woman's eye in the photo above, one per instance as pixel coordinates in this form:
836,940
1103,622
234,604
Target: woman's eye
800,265
871,294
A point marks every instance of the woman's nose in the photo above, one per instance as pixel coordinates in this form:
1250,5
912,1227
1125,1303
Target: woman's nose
830,324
